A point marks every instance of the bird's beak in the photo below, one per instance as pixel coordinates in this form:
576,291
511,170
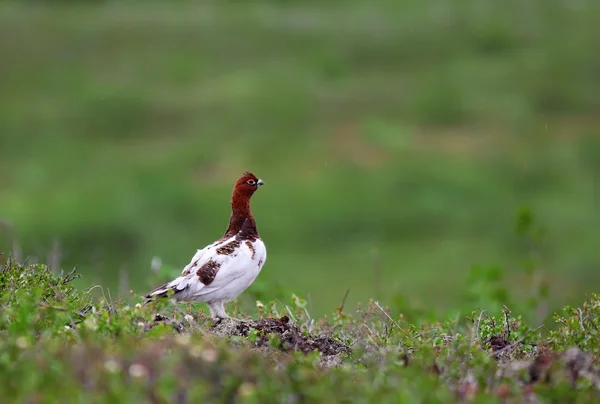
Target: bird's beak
260,182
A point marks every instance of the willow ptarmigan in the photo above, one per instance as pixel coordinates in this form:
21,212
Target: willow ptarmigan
222,270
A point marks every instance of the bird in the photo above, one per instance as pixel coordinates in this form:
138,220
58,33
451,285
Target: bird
222,270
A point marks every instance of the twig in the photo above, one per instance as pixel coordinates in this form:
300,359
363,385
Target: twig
47,306
483,311
367,327
370,335
344,300
506,318
387,315
160,318
581,319
275,311
511,346
73,326
291,315
477,325
71,276
456,327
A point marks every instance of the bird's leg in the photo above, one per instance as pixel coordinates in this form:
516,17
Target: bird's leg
217,311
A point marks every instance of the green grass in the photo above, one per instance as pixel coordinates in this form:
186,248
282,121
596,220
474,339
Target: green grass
397,140
60,344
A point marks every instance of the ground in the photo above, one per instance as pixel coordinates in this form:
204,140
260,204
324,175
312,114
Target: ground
60,342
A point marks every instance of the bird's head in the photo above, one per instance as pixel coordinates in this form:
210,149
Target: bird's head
247,184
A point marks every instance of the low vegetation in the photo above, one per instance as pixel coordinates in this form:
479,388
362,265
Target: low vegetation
61,344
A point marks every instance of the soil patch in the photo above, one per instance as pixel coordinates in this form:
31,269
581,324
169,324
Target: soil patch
290,337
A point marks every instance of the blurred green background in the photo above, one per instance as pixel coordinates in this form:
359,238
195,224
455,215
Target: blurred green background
397,140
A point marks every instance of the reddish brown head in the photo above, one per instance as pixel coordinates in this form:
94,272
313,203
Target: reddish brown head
243,190
246,185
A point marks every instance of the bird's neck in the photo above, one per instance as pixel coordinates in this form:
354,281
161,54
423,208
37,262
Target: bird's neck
240,210
248,231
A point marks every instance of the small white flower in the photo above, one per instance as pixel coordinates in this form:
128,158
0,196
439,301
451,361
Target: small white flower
189,318
138,306
137,370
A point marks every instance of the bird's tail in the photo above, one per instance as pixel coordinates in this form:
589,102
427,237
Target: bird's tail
158,293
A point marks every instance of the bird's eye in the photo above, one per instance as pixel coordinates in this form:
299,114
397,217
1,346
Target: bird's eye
251,182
